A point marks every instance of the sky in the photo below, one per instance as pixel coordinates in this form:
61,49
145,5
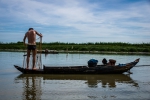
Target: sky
76,21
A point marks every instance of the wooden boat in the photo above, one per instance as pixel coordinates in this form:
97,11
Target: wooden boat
48,52
98,69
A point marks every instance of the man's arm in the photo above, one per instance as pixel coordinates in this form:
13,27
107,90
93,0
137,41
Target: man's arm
24,39
39,34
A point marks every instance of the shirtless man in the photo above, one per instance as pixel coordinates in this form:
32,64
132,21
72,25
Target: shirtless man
31,46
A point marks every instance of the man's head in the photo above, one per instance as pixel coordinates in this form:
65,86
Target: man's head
31,29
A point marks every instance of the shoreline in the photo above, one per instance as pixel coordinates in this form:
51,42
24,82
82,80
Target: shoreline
83,52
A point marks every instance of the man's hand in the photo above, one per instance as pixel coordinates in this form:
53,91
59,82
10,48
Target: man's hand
41,35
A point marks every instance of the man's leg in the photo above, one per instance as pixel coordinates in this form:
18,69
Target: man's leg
28,58
34,58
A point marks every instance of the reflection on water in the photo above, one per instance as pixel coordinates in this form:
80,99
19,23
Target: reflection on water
32,84
73,87
31,88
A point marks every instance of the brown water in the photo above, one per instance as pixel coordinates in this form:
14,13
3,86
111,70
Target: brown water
16,86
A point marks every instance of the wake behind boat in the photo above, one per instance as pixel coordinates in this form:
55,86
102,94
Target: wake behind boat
97,69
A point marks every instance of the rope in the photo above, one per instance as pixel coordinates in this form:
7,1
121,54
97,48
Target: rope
38,38
24,60
41,51
39,61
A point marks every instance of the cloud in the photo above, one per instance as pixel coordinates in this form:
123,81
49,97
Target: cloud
78,20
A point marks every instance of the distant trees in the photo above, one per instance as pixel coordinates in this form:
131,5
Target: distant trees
89,46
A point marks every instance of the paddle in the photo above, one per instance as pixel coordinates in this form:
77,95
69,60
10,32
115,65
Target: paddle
141,65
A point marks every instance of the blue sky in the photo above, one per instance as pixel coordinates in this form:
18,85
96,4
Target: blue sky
77,21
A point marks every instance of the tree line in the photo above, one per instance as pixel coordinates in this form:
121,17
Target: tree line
89,46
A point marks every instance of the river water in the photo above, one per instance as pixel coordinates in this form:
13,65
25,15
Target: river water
16,86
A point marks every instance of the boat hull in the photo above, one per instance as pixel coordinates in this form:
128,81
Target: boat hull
99,69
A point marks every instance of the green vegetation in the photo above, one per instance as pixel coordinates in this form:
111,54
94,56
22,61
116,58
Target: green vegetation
97,46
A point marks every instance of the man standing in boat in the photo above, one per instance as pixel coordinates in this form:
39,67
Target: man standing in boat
31,45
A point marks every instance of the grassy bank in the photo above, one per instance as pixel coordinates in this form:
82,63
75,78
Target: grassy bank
84,47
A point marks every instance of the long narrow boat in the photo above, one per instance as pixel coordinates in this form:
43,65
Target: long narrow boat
98,69
48,52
